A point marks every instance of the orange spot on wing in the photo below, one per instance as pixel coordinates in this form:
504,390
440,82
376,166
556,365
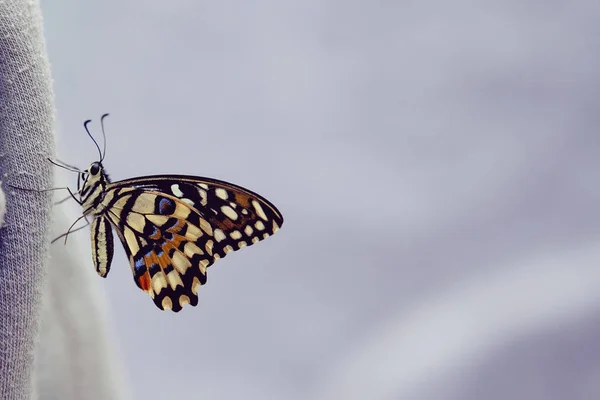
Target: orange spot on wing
151,259
166,247
144,281
225,225
155,236
242,199
177,239
177,227
172,244
164,259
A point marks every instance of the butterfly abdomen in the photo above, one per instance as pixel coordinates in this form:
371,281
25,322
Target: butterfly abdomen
102,245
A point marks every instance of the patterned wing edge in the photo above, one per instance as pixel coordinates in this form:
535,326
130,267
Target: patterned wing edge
163,183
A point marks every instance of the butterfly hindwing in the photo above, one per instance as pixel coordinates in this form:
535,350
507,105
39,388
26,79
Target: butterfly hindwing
174,228
162,239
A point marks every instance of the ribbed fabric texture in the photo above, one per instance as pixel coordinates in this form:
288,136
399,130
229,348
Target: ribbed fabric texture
26,139
53,336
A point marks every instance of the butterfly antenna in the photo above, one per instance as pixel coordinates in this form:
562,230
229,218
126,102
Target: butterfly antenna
66,166
103,136
91,137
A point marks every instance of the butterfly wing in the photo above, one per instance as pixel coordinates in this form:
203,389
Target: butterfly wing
174,227
238,216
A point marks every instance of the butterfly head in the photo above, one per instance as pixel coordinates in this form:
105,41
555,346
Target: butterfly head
93,174
91,184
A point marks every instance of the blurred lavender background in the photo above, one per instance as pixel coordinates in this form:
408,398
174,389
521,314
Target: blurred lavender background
436,163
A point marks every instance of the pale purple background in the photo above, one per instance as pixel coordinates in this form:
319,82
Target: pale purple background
436,163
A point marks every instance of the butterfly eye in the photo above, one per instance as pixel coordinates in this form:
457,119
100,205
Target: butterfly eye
94,169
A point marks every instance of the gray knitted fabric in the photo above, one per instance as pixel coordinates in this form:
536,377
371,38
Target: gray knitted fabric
26,139
53,337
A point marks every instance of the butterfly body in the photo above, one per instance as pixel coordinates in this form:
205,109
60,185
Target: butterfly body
173,227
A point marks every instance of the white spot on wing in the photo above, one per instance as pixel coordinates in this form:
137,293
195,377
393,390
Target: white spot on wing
159,281
131,241
203,265
209,247
205,226
183,300
136,221
229,212
167,303
193,232
203,197
195,285
180,263
219,235
190,249
259,210
174,279
221,193
176,191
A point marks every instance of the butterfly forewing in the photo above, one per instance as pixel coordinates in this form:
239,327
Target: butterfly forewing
237,216
174,227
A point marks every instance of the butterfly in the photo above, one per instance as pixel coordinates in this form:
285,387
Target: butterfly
173,227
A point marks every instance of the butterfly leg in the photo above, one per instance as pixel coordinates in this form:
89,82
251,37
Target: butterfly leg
70,230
